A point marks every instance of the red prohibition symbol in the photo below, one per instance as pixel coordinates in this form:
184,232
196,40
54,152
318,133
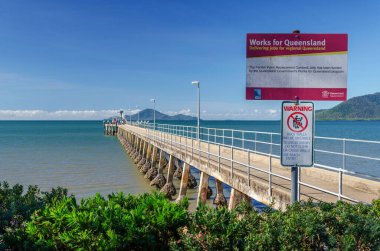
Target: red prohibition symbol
297,122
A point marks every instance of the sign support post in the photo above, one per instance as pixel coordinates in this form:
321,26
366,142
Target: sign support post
294,188
294,173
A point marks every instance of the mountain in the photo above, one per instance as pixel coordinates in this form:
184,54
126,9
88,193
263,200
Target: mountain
147,114
365,107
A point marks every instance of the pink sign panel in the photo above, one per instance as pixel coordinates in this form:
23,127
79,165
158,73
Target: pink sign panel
286,66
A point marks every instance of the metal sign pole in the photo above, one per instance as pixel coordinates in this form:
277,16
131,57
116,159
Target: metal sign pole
294,188
294,175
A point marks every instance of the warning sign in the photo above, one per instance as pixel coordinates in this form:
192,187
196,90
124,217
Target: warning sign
297,134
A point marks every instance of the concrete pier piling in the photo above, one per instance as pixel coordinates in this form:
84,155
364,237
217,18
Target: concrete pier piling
152,172
144,169
139,151
220,199
168,189
203,188
159,181
184,181
142,161
236,198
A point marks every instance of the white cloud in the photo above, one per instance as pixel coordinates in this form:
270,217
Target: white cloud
230,113
131,112
272,111
57,115
241,114
183,111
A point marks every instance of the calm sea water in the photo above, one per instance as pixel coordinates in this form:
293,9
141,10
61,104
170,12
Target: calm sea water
76,154
72,154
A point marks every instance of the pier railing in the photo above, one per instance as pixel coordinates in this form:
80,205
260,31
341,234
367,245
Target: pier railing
343,156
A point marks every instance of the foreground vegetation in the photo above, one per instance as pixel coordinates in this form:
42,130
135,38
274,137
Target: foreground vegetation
34,220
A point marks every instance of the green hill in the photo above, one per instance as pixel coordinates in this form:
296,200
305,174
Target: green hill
147,114
365,107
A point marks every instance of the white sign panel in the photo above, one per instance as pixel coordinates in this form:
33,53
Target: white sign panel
309,66
297,134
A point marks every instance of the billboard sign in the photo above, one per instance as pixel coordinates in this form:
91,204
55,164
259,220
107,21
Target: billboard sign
309,66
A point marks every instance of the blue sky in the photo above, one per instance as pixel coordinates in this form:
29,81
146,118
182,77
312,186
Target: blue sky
86,59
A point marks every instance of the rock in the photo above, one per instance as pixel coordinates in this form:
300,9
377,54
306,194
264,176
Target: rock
209,192
152,173
178,173
192,182
220,200
144,169
164,163
168,190
159,181
141,163
137,159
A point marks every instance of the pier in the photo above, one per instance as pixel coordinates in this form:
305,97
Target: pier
110,128
231,157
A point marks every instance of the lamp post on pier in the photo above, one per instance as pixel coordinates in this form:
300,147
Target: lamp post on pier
138,114
197,83
154,112
130,115
121,116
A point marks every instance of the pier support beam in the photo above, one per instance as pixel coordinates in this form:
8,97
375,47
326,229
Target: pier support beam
134,152
160,180
141,144
153,155
203,188
220,199
236,198
136,141
169,190
152,172
143,155
147,164
184,181
139,149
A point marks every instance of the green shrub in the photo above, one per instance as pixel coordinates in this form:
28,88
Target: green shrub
352,226
16,207
216,229
321,226
122,222
33,220
303,226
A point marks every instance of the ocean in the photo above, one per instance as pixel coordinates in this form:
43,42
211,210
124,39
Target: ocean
76,154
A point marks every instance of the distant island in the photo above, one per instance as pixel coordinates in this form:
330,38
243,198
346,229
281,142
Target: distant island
147,114
365,107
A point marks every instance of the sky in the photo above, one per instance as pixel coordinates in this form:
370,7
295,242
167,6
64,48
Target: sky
87,59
